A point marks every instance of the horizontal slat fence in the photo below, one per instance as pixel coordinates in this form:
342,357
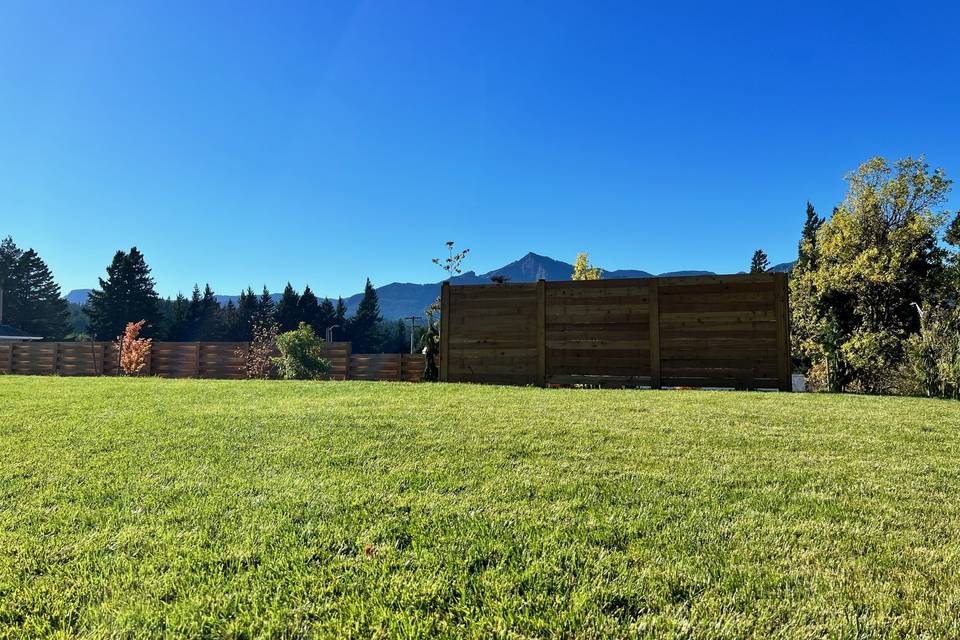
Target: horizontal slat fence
223,360
695,331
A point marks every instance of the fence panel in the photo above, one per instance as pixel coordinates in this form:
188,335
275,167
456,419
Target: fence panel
492,334
223,360
698,331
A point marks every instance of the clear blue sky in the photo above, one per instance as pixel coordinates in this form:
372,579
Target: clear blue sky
325,142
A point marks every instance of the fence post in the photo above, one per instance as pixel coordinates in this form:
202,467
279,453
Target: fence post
197,367
782,307
445,332
346,367
542,333
654,306
56,358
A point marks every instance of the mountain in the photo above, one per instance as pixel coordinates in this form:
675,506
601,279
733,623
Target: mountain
783,267
402,299
78,296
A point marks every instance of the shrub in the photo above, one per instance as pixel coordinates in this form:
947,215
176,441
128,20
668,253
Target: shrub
932,366
301,354
133,349
259,355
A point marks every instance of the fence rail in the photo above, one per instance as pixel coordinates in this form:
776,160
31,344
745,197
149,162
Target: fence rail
697,331
224,360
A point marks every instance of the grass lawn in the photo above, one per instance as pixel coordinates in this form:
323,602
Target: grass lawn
148,507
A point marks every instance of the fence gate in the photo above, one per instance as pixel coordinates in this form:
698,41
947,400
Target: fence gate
696,331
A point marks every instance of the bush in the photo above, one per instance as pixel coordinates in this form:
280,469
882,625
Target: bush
133,349
932,366
259,356
301,354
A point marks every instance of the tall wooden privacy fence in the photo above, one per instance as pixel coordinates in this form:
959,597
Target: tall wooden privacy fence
193,360
699,331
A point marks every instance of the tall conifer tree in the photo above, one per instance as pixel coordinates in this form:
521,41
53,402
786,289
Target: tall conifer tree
126,295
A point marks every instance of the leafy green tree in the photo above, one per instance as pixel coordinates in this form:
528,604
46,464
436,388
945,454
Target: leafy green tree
301,354
126,295
877,257
583,270
288,309
364,323
760,263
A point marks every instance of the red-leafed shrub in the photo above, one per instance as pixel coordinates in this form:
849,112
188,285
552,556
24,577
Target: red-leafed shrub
133,349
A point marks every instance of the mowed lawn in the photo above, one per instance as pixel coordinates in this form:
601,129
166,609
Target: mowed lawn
146,507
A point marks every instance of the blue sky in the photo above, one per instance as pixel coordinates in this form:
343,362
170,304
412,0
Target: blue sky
255,143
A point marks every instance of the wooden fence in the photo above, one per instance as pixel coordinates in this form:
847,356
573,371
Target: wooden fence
193,360
699,331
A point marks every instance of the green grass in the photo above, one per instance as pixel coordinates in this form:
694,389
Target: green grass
147,507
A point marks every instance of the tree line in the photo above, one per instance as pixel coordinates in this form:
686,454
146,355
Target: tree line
32,302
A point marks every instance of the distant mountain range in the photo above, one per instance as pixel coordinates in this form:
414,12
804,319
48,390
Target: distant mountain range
401,299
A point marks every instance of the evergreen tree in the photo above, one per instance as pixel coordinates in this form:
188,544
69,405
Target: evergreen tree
308,309
340,315
288,311
326,316
127,295
205,316
37,307
266,309
179,320
364,324
231,321
246,312
9,259
807,250
760,262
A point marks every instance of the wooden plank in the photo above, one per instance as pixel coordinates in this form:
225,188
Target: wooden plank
654,323
541,333
783,332
445,311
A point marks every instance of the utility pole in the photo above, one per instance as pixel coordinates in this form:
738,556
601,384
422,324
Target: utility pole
413,325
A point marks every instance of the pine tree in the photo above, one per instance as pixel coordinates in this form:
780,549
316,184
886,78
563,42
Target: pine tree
9,259
179,321
288,312
37,305
326,316
246,312
231,321
127,295
309,310
760,262
266,310
807,249
340,315
206,322
363,325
